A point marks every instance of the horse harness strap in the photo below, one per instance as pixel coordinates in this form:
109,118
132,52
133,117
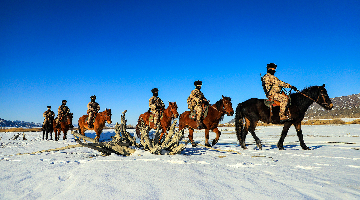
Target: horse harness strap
317,100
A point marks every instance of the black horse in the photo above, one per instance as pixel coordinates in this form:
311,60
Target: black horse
48,128
249,112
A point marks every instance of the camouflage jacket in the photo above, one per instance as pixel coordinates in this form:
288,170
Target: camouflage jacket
93,107
196,97
155,103
48,113
63,110
272,84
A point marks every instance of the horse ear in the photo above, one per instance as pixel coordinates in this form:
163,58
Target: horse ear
323,85
222,96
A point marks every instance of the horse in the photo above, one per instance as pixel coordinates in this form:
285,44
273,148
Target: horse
65,125
168,114
48,128
99,123
215,114
249,112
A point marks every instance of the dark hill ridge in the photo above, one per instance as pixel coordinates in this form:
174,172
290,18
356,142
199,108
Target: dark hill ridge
344,107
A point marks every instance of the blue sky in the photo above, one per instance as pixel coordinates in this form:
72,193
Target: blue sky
120,50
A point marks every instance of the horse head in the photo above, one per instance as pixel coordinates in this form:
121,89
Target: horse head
323,98
69,119
173,109
228,105
108,115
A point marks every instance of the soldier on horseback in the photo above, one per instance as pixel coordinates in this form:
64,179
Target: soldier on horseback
195,102
92,109
156,106
48,114
273,90
63,110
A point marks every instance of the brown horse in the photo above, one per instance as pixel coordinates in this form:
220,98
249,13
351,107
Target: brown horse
65,125
168,114
215,114
248,113
99,124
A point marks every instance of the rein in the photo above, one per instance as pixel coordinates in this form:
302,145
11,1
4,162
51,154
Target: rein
316,101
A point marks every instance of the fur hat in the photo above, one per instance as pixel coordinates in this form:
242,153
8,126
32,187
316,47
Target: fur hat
271,65
196,83
154,90
48,106
93,97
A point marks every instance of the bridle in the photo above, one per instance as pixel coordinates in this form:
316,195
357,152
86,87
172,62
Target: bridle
317,100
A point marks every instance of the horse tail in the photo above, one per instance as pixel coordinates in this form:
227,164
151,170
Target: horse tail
239,122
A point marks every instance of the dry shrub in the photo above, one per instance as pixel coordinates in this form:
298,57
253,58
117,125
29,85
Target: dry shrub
21,130
323,122
356,121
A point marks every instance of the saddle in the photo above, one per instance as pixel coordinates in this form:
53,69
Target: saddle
273,103
193,112
151,117
87,118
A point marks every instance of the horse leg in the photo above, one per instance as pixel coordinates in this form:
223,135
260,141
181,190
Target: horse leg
191,131
218,133
207,138
244,132
97,135
252,131
50,135
65,132
43,134
284,132
300,136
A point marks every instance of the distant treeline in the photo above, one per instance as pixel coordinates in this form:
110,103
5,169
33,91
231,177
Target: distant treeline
8,123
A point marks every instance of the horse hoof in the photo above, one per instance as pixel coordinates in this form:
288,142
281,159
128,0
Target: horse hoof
259,145
306,148
281,148
193,144
207,145
214,142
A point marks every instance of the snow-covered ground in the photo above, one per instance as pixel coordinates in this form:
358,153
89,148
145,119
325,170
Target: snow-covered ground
331,170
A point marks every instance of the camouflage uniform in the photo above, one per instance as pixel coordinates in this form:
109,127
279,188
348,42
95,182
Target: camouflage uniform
272,87
48,114
63,110
92,109
156,106
195,102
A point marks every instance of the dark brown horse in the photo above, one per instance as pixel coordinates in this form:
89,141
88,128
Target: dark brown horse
48,128
99,123
249,112
65,125
215,114
169,114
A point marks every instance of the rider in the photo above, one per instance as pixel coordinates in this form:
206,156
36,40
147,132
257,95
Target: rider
48,114
156,105
63,110
273,89
93,109
195,102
